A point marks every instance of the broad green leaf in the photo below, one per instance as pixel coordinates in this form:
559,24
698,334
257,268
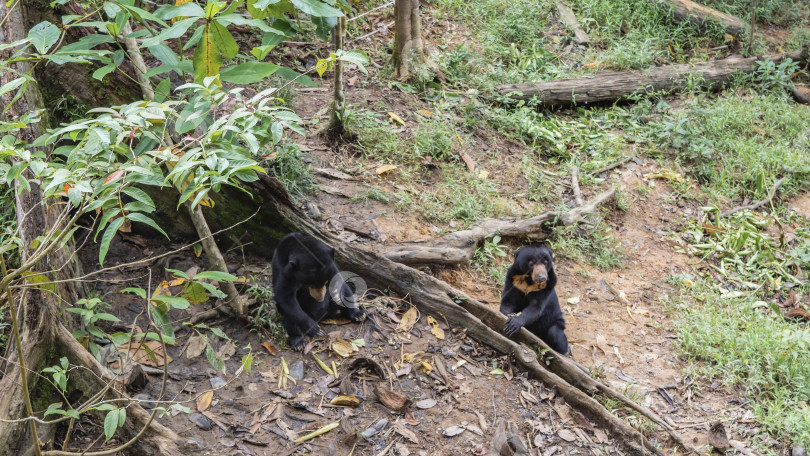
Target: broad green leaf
173,301
109,233
248,73
212,8
139,195
216,275
138,217
190,9
316,8
11,85
224,40
88,42
292,75
195,293
207,58
324,26
162,90
163,322
165,54
43,36
140,292
103,71
110,424
175,31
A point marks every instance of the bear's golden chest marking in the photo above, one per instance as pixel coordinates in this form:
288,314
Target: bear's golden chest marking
521,282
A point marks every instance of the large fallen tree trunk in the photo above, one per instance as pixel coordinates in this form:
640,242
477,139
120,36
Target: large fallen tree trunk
700,15
459,246
609,86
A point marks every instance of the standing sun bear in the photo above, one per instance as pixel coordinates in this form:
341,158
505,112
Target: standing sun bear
303,269
529,291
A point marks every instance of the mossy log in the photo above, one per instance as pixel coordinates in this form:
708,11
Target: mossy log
610,86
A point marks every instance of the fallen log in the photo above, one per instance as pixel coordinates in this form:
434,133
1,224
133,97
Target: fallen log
687,10
609,86
459,246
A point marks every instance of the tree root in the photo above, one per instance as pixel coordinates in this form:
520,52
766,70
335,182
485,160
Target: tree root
460,246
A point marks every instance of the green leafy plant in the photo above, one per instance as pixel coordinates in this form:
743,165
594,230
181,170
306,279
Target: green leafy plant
92,311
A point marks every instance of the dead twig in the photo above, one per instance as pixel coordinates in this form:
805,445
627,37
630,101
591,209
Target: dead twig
759,203
575,185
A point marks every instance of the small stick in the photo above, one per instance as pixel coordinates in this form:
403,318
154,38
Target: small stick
614,165
575,185
759,203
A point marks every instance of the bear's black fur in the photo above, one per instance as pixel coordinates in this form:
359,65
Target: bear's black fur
303,268
530,291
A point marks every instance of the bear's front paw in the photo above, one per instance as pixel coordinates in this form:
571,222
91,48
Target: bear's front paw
316,331
357,314
513,325
297,343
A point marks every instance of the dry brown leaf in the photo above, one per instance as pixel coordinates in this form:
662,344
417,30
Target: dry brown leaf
149,353
425,112
196,346
434,328
204,401
270,348
619,355
348,401
391,399
411,420
385,169
468,161
396,118
425,404
453,431
567,435
343,348
408,320
227,350
602,344
400,429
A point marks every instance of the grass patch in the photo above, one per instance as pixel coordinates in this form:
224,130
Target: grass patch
588,243
747,345
267,317
738,146
291,170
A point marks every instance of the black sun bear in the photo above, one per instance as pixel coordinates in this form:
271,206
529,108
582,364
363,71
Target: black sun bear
303,269
529,291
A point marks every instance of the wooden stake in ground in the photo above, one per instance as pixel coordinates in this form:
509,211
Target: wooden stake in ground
408,45
337,126
687,10
610,86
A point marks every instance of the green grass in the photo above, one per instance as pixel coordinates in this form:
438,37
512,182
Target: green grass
289,168
267,317
588,243
739,146
743,343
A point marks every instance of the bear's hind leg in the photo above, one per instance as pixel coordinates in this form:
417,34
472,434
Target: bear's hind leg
555,338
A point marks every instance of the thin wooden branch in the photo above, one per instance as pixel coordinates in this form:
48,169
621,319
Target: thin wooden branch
459,246
687,10
611,166
575,185
570,19
759,203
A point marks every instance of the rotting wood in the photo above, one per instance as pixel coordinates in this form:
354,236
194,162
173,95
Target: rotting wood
700,15
609,86
568,17
459,246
